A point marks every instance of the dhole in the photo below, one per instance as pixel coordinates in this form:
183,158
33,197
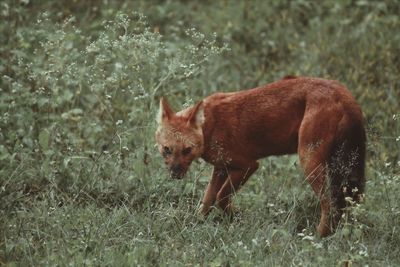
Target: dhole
318,119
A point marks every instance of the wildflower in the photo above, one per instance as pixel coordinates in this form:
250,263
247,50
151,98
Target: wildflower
118,65
349,200
308,237
317,245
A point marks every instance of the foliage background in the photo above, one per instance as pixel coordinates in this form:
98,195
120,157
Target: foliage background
80,180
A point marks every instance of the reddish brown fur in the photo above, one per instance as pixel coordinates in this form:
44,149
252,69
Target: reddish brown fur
316,118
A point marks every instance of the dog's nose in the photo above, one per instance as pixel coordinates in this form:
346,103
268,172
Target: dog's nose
176,168
176,171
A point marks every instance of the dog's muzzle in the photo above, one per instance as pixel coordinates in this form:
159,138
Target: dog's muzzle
177,172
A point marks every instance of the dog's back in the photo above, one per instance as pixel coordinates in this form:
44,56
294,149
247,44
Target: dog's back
266,120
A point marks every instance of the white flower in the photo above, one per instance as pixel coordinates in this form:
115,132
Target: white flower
317,245
118,65
308,237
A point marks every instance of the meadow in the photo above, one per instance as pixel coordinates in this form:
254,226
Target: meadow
81,182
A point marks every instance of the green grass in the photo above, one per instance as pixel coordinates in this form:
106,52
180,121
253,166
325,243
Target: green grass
157,225
81,182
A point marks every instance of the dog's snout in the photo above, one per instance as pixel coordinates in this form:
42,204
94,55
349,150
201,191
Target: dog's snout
177,171
176,168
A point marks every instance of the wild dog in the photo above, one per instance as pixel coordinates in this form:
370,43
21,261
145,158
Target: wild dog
316,118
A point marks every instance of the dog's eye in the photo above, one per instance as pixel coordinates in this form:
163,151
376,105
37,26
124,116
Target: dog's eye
186,151
167,151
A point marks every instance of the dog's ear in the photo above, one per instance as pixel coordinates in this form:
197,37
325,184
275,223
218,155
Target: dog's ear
165,112
196,117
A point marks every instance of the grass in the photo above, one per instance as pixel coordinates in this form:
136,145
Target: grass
156,224
81,182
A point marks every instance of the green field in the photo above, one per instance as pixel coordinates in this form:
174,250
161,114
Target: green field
81,182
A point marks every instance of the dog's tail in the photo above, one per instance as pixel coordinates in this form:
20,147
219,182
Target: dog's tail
347,166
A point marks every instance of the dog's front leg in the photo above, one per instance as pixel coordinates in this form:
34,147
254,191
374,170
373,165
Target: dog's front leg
217,180
236,178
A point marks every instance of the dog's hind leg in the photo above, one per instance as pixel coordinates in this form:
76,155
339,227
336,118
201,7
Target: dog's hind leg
316,136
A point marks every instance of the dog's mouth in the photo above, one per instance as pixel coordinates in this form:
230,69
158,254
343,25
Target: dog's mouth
177,171
176,175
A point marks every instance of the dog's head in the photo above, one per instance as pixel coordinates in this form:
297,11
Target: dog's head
179,137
